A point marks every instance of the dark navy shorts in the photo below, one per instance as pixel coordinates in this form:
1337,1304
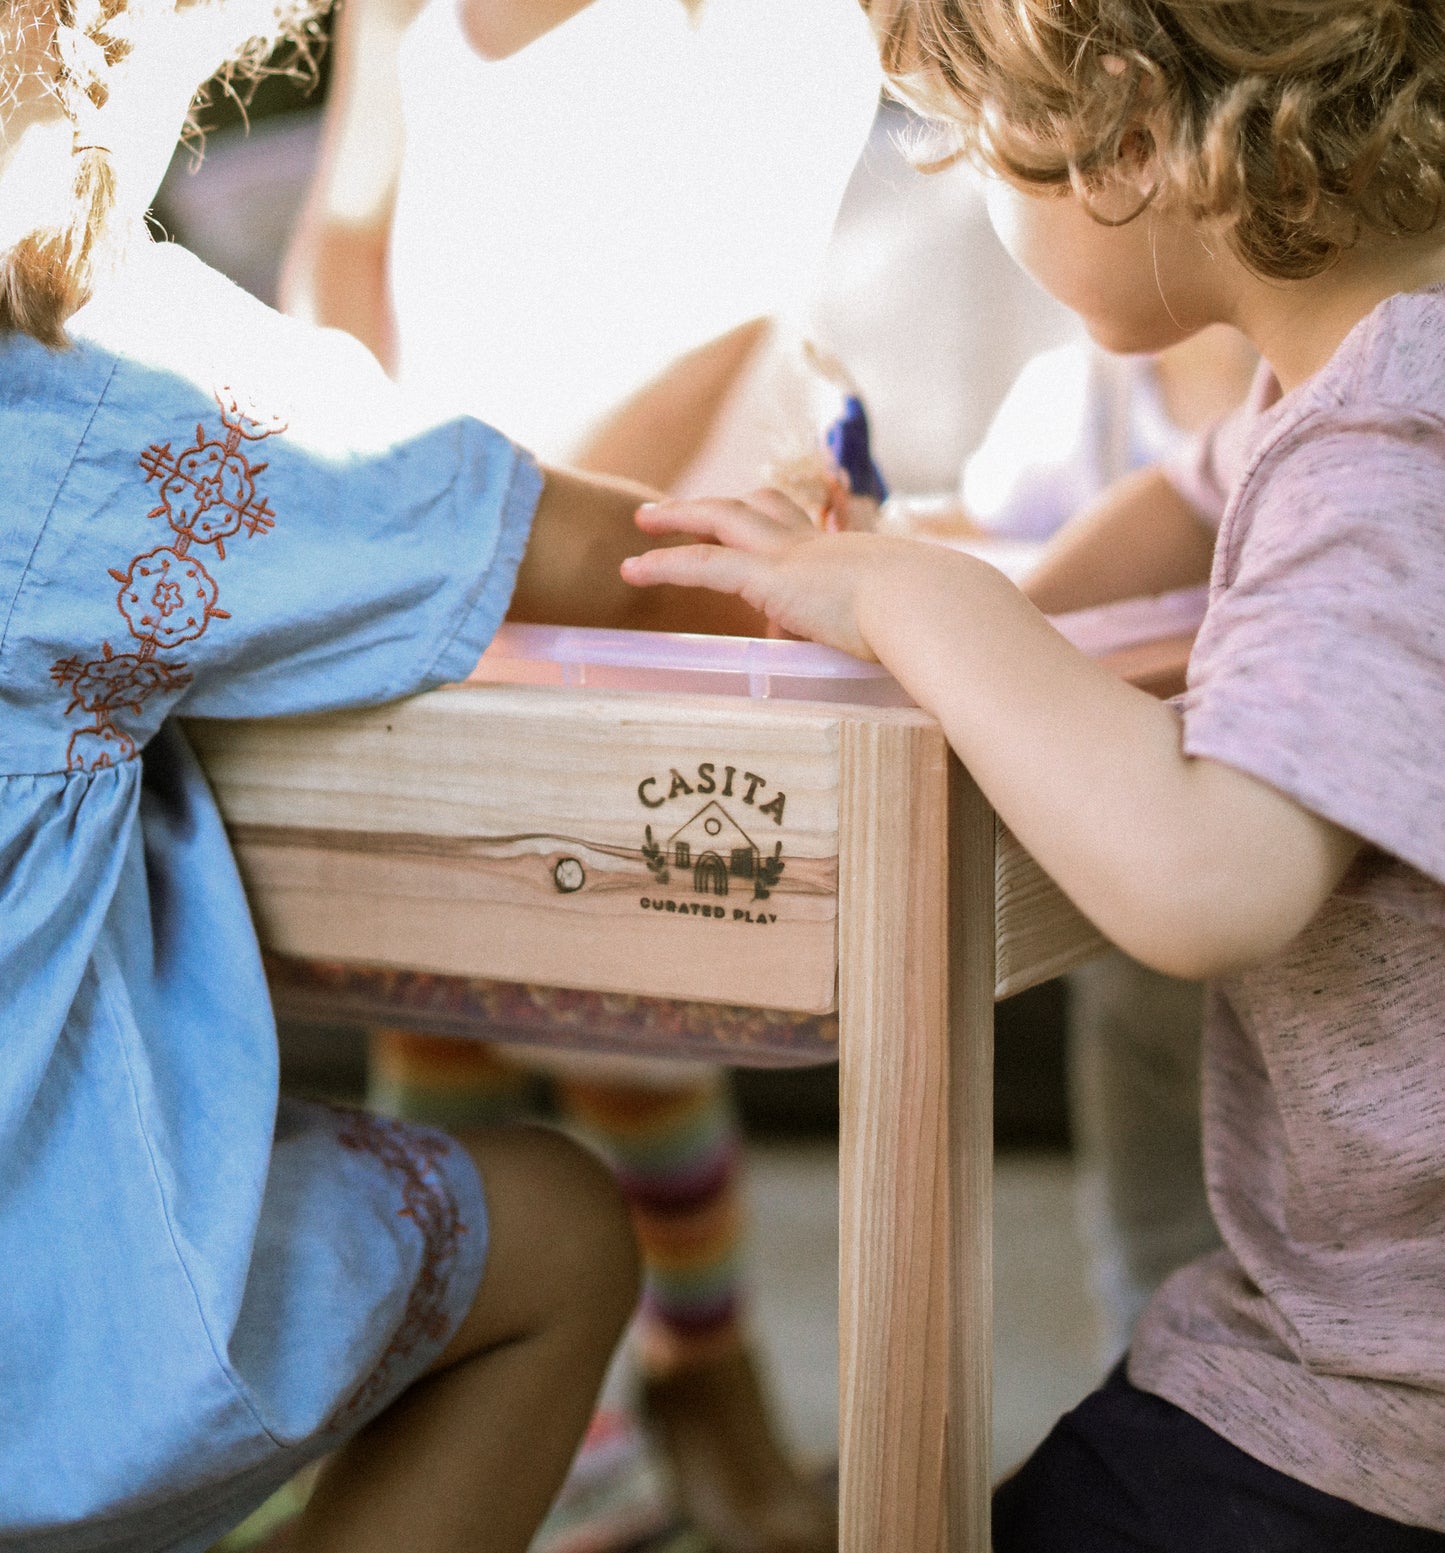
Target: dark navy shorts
1128,1472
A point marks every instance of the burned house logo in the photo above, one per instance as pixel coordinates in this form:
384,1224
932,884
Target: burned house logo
698,860
717,852
710,850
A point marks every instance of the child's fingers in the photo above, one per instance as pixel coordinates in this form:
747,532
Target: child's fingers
781,508
730,522
715,567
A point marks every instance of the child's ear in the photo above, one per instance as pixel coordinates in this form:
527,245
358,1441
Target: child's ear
1138,159
1114,197
1137,167
499,28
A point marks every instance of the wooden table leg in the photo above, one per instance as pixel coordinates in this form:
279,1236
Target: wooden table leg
915,1153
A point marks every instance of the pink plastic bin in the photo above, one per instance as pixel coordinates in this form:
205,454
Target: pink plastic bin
780,670
697,665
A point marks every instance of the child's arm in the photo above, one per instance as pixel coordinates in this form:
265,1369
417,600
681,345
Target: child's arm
1191,866
335,269
655,434
1140,537
583,529
497,28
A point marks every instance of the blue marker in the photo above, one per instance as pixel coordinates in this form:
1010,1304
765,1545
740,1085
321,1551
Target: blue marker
847,441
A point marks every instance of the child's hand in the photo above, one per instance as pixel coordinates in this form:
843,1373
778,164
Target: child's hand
767,551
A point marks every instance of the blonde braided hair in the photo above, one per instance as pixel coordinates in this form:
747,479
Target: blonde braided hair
67,50
46,276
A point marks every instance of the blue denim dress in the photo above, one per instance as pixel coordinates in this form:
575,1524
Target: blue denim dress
208,510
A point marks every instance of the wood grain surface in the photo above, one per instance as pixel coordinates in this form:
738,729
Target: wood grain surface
611,841
915,1147
1038,932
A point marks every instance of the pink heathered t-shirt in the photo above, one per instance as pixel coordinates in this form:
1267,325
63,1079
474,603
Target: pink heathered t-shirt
1315,1340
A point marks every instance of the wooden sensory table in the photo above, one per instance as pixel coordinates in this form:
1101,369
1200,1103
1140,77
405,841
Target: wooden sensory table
793,881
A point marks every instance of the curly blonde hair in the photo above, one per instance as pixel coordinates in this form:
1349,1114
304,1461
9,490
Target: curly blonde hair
1292,126
66,50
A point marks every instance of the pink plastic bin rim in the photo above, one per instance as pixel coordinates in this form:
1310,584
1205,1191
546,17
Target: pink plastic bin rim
761,667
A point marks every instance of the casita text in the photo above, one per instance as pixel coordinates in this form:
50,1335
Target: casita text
656,791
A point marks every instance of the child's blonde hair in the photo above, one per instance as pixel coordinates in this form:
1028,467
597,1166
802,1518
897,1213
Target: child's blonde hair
1294,126
67,49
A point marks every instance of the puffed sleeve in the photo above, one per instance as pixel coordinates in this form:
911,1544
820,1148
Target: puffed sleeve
1320,667
307,542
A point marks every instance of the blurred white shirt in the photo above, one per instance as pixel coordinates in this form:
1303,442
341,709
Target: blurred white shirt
572,219
1075,420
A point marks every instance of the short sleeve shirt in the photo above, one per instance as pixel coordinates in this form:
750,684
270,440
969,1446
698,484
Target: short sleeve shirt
204,509
1315,1340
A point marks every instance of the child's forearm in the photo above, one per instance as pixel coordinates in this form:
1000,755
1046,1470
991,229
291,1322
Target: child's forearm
582,531
1140,537
336,277
334,272
1191,866
499,28
653,436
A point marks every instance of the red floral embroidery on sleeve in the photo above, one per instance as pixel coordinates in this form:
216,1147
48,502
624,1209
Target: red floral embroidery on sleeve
167,597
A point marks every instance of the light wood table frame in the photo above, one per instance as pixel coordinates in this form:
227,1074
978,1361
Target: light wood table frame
805,857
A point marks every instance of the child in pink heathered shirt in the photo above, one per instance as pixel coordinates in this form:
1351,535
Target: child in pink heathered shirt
1280,830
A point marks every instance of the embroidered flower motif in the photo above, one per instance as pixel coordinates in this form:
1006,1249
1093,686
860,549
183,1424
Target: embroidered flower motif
117,680
167,597
93,749
208,492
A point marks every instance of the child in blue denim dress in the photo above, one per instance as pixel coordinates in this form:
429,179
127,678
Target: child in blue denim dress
208,510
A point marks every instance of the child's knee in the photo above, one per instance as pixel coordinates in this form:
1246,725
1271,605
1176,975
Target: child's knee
581,1224
560,1244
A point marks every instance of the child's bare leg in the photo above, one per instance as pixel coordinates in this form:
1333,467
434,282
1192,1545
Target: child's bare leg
468,1460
